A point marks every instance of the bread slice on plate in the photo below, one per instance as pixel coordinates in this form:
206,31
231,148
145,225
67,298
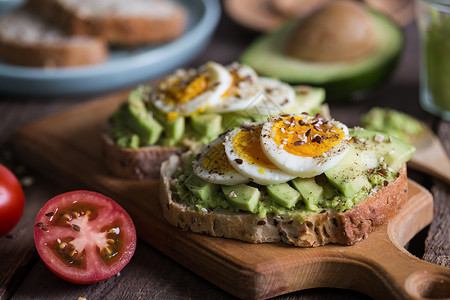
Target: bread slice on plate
27,40
124,23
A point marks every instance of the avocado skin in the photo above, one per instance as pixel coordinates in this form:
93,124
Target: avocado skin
337,89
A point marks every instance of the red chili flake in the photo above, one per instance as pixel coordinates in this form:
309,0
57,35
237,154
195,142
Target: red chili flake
292,120
301,122
238,161
318,115
285,115
385,183
317,127
298,143
314,121
262,198
305,113
370,171
355,139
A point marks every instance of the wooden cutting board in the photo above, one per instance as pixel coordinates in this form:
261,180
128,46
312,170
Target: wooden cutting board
67,147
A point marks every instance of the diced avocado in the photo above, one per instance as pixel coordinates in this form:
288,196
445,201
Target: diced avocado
128,141
311,192
369,150
200,188
242,196
307,99
207,125
283,194
174,129
350,174
389,150
140,121
267,55
232,120
393,122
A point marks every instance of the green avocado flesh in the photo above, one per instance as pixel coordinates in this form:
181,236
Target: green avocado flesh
393,122
137,123
373,160
340,79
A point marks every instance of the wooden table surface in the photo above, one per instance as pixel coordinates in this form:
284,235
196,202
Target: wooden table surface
150,274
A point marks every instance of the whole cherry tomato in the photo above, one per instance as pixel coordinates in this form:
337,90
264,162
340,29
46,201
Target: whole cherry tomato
12,200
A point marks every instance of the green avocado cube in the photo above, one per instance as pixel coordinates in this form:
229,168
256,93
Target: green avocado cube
200,188
140,121
174,129
232,120
311,192
207,125
242,196
283,194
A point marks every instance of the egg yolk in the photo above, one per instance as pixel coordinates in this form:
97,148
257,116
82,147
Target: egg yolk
216,161
304,136
247,145
179,91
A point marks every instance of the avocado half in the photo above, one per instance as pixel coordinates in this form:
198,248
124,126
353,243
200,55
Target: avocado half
341,80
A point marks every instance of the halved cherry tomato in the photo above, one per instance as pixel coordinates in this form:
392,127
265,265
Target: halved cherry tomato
84,237
12,200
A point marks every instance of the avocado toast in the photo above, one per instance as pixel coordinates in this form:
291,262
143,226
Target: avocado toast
190,108
362,187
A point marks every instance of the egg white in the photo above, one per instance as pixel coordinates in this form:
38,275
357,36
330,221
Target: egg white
246,90
302,166
217,174
258,173
278,97
220,80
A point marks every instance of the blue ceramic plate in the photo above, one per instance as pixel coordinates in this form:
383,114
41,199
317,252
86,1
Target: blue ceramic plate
125,67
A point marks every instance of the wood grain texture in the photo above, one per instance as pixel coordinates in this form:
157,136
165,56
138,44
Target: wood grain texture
437,249
69,147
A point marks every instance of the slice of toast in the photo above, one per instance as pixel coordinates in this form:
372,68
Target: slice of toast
347,227
143,163
27,40
123,23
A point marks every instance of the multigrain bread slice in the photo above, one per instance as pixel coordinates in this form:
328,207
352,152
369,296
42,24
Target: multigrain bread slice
347,228
27,40
124,23
142,163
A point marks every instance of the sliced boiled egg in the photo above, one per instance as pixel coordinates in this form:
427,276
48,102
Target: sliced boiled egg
303,145
187,92
243,149
245,92
212,165
278,97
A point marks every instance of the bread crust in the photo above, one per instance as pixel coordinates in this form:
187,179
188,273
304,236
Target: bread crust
53,55
63,51
115,29
319,229
140,164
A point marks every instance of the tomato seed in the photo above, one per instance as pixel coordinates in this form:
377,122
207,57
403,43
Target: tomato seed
77,214
72,253
109,250
44,229
76,227
40,224
62,246
50,214
66,216
59,241
110,241
87,213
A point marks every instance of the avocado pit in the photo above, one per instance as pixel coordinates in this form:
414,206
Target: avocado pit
339,32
